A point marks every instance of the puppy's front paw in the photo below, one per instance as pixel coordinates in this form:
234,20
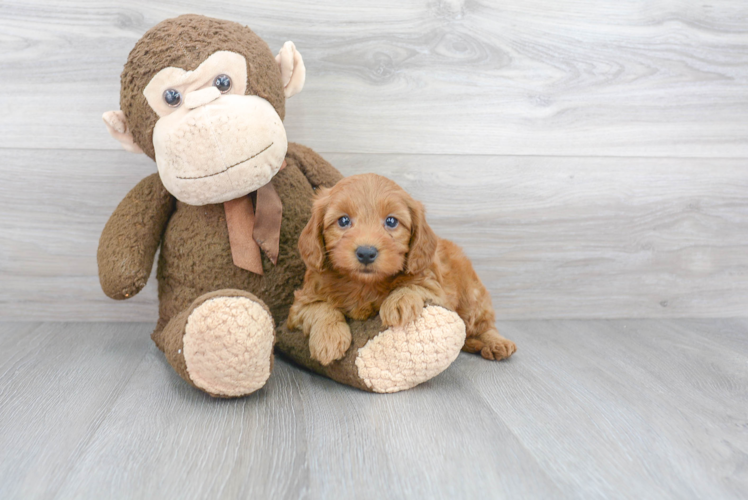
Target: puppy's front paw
328,343
294,321
401,308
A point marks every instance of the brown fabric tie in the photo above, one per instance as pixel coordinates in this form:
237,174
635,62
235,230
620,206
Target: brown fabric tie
250,231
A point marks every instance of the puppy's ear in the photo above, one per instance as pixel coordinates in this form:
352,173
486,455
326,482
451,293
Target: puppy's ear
422,240
311,241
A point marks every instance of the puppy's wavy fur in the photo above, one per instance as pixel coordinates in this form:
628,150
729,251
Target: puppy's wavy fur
413,267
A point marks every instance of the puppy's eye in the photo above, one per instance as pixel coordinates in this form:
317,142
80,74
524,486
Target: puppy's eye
391,222
344,221
173,98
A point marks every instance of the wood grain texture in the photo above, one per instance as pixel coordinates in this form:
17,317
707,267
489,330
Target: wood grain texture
550,237
585,409
667,388
536,77
590,158
292,441
57,385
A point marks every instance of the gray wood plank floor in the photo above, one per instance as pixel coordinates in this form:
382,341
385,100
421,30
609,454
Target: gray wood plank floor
586,409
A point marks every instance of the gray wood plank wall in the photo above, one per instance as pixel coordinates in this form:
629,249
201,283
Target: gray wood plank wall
590,158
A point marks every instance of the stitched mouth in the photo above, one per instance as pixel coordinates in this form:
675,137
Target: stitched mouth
230,166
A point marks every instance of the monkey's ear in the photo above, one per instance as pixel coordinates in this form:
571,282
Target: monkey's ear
293,72
116,124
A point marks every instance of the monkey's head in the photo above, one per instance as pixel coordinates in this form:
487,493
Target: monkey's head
205,99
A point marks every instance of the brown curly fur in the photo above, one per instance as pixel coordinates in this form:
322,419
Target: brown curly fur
413,267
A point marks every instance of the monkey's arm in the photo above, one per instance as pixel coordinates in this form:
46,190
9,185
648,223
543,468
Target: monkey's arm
317,170
131,237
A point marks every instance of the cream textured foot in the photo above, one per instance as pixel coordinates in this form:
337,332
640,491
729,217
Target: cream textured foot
228,346
402,357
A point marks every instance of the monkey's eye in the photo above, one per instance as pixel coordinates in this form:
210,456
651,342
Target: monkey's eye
222,83
391,222
344,221
173,98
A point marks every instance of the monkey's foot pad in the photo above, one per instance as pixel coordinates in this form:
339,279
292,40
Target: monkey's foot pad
228,346
402,357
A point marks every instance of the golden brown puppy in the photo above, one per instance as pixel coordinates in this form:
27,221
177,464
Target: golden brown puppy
368,249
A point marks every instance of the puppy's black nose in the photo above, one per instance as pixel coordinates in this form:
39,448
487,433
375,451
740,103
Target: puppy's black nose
366,255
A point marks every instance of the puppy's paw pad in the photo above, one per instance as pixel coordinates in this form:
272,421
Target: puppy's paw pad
400,309
498,349
329,343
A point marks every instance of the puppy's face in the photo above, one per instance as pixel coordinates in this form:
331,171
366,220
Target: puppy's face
368,228
367,232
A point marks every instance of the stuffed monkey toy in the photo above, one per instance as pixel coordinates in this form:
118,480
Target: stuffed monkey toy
205,99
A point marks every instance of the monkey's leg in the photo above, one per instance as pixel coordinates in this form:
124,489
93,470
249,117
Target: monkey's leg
383,359
221,344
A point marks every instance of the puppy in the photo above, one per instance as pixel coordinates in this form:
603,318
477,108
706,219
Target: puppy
369,250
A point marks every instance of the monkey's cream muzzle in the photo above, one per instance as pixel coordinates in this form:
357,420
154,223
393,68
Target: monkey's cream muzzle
214,147
219,151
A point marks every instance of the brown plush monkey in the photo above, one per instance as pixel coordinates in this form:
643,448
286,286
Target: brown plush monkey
205,99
